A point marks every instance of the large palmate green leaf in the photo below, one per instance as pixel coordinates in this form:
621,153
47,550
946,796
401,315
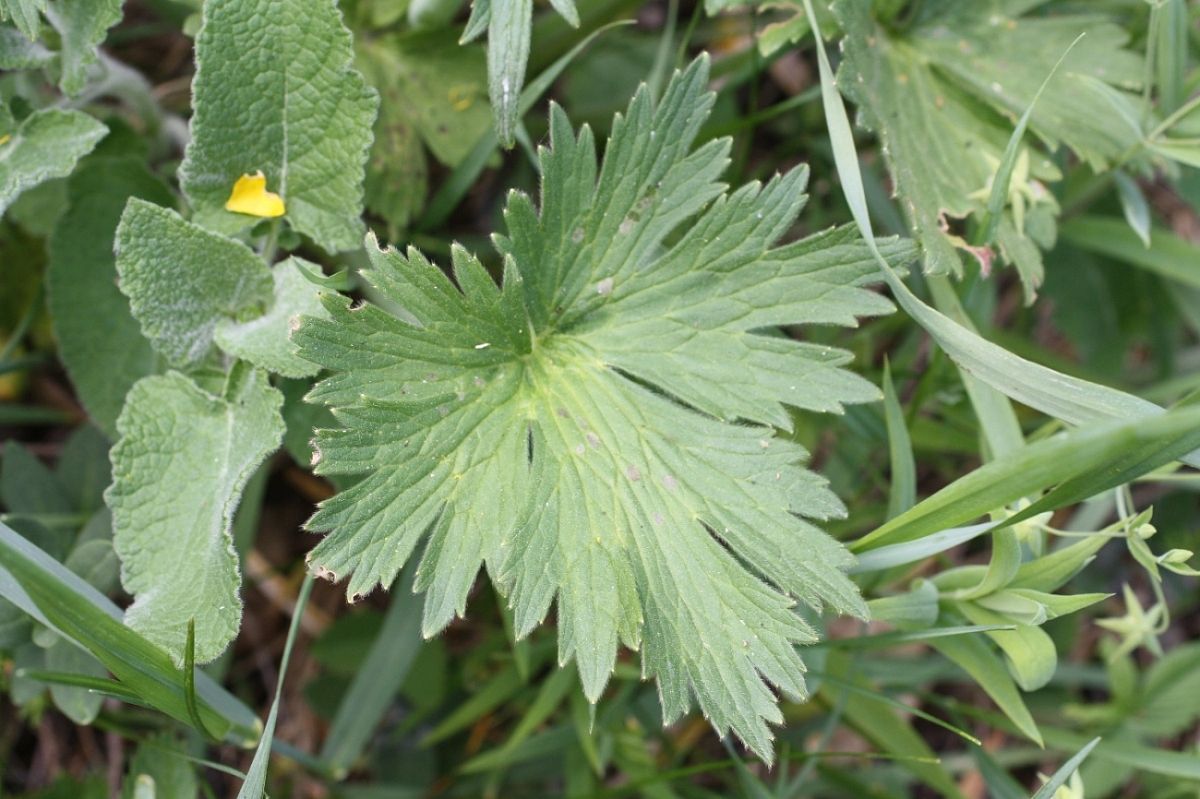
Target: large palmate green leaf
274,92
178,471
944,93
600,427
83,293
45,145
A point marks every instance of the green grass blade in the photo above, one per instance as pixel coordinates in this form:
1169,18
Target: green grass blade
1008,162
903,494
1067,398
50,593
463,177
1078,464
985,667
378,680
1065,771
255,786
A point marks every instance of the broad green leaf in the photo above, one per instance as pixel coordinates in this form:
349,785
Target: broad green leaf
263,341
1028,651
182,280
83,25
60,600
178,472
275,92
79,704
24,14
45,145
163,760
984,666
440,88
517,424
932,93
28,486
82,287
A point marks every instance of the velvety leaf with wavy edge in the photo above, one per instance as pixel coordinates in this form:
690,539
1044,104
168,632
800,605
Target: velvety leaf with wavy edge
597,428
177,557
46,145
182,280
275,91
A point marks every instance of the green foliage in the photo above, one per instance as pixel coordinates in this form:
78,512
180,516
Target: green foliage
938,96
200,449
525,400
45,145
281,99
609,408
82,287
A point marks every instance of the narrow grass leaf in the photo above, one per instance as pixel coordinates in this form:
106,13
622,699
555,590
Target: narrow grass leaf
255,786
1008,161
1167,255
1065,771
59,599
1067,398
1077,464
1133,206
903,493
985,667
378,680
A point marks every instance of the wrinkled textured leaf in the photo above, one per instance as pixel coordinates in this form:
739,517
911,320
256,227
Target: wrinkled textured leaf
274,91
932,96
45,145
596,428
182,280
177,557
82,284
83,25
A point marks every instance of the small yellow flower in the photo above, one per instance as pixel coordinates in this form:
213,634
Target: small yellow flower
4,139
250,196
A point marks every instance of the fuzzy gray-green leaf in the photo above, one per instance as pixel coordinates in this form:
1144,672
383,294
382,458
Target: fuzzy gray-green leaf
45,145
182,280
177,557
275,92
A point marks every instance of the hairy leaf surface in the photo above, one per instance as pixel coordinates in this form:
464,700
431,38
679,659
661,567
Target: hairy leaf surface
274,92
600,429
177,557
83,293
45,145
182,280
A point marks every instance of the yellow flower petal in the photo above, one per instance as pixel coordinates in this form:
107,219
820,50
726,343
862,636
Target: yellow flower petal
250,196
4,139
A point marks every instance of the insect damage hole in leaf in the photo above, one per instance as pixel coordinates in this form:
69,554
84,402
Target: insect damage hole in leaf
629,341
